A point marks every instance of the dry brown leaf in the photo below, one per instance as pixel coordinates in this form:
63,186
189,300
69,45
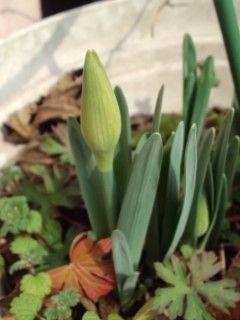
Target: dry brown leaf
60,107
70,83
61,102
21,125
32,156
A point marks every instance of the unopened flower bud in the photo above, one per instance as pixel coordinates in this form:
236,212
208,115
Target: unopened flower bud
100,115
202,221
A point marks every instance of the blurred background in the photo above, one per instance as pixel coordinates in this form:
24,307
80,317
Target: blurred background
17,14
139,41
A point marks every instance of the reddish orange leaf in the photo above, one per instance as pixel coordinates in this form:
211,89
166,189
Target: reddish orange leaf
89,271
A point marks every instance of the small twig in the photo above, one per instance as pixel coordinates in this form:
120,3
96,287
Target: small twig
166,3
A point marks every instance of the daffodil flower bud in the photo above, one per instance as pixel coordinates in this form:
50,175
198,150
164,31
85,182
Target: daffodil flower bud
100,115
202,221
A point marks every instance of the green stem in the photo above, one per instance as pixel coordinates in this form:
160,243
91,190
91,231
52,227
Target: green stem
108,192
230,30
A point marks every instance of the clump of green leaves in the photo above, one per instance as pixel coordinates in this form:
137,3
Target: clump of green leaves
61,305
34,288
18,217
31,253
190,285
54,148
177,192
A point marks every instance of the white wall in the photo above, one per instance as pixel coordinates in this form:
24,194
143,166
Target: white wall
17,14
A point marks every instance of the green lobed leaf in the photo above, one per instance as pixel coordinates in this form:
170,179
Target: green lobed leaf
140,195
221,293
35,222
67,297
51,146
22,245
38,285
61,303
14,212
30,251
190,289
26,306
196,309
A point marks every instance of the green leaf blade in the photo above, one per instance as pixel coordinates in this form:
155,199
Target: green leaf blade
89,181
190,165
139,199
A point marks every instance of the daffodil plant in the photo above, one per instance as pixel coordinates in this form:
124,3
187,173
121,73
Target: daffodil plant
159,197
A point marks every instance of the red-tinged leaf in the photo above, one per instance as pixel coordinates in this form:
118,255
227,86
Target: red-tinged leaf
90,272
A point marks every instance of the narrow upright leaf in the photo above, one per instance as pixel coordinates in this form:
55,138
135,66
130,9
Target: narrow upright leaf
170,218
89,181
157,113
204,87
215,212
123,266
190,167
221,212
140,194
189,79
232,161
153,243
220,151
202,165
122,160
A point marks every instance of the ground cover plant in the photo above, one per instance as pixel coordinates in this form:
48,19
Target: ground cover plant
103,221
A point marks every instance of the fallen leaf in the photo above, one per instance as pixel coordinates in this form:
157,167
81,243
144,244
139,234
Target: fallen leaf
20,126
60,107
90,272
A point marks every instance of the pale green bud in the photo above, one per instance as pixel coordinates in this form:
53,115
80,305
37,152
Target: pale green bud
202,221
100,115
